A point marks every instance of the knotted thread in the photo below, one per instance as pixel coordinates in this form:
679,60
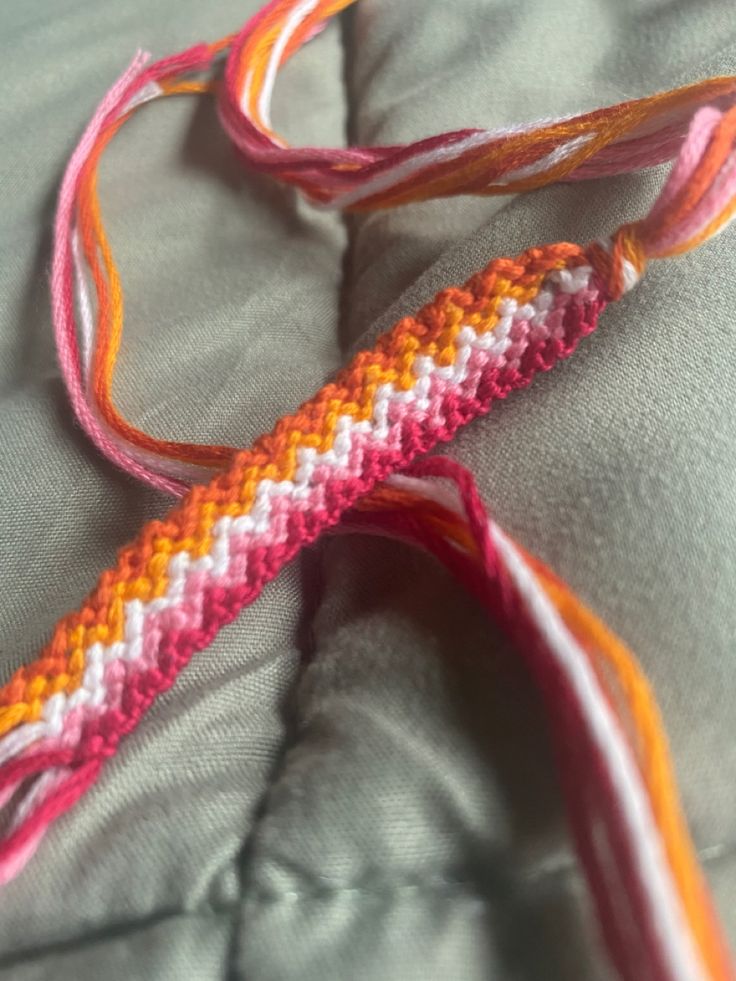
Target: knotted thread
186,576
697,201
620,261
694,203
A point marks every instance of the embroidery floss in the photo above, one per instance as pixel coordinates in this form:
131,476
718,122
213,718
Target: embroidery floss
583,671
608,141
613,140
186,576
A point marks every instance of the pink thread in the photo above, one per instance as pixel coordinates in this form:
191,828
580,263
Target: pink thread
176,641
592,801
133,79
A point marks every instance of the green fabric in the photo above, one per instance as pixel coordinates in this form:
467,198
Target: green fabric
354,780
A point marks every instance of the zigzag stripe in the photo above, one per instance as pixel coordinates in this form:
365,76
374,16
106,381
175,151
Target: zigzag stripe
157,590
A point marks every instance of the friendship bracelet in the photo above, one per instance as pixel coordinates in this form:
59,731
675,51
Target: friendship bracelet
347,459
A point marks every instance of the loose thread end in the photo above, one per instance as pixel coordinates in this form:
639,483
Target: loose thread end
697,202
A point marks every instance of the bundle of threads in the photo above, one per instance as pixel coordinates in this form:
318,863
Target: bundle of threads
348,460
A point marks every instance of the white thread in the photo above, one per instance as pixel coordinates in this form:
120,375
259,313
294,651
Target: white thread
629,274
151,90
179,470
18,739
667,914
42,787
544,163
399,173
298,14
342,457
84,306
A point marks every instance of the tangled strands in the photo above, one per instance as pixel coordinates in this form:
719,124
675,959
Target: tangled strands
186,576
697,201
